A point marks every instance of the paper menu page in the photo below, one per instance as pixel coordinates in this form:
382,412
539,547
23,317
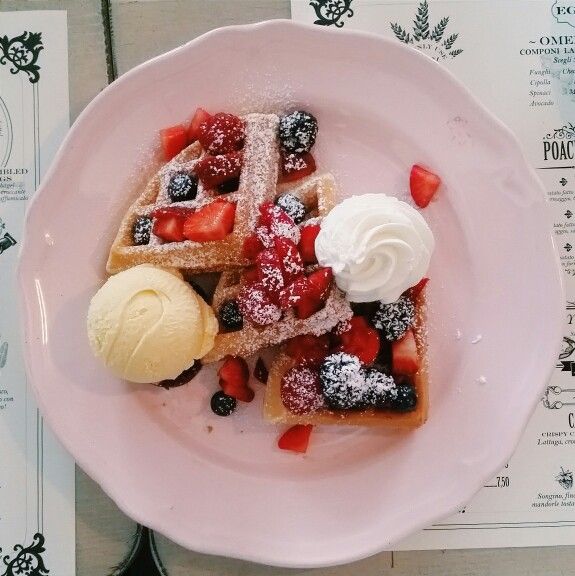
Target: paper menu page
518,58
37,508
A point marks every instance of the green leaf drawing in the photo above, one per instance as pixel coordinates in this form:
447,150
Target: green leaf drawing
421,22
437,33
455,53
450,41
400,33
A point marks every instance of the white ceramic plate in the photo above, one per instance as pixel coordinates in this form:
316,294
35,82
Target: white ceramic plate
220,485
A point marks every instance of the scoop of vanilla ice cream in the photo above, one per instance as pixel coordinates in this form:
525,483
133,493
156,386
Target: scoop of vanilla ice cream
147,324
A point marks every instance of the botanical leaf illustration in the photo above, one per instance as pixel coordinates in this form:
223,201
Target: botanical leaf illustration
421,22
400,33
450,41
437,33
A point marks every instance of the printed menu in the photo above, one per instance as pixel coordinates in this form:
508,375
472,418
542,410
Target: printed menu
518,58
37,516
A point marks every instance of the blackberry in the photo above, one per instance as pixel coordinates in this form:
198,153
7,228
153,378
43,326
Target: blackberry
406,399
342,381
182,186
229,186
292,206
380,389
141,231
297,132
222,404
231,316
394,319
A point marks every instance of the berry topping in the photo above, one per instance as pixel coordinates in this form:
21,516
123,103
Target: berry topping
342,381
380,388
231,318
229,186
252,247
249,276
360,339
296,166
234,377
141,231
184,378
406,399
321,280
174,140
394,319
222,404
223,133
270,273
215,170
274,223
257,306
296,438
416,290
423,185
289,259
308,349
308,295
182,186
404,356
300,390
297,131
308,234
261,372
212,222
293,206
169,224
200,123
293,293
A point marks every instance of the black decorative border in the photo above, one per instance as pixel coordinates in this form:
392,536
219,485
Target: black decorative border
566,132
21,54
28,560
330,12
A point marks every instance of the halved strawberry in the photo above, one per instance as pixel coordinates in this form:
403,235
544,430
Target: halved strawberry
296,166
294,292
321,280
199,124
312,301
222,134
169,223
252,247
290,261
257,306
211,222
308,349
174,140
234,377
423,185
275,223
296,438
249,275
360,340
416,290
179,211
270,273
306,246
404,356
215,170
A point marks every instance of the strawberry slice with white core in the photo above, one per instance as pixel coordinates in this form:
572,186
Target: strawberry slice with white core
199,124
404,356
213,222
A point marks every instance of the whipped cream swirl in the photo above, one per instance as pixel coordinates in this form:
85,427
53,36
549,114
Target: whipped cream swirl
377,246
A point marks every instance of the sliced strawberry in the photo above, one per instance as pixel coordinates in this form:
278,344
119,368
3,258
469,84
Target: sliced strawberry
178,211
300,390
293,293
222,134
308,349
249,275
290,261
360,340
404,356
212,222
321,280
423,185
296,438
169,226
270,273
215,170
275,223
307,306
199,124
308,234
296,166
234,377
252,247
416,290
174,140
256,305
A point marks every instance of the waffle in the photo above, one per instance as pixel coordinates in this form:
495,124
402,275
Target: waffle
276,412
257,184
318,193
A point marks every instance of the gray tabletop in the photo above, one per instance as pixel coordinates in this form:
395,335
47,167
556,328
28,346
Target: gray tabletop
107,38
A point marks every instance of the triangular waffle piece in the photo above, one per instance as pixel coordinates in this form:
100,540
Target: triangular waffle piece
318,193
275,411
257,184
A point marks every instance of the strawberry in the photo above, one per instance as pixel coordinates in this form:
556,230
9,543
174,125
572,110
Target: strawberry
174,140
290,261
199,124
404,356
416,290
360,340
296,166
234,377
252,247
296,438
215,170
213,221
293,293
321,281
308,234
257,306
274,223
169,223
423,185
300,390
222,134
308,349
249,275
178,211
269,270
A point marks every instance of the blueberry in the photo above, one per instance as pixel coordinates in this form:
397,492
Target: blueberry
406,399
394,319
380,390
222,404
297,131
292,206
182,186
229,186
230,316
141,230
342,381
